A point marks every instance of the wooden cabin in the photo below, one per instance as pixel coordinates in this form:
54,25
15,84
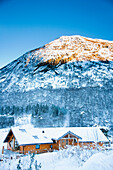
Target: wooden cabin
39,140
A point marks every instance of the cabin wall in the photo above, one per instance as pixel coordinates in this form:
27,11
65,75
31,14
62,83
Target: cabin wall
61,143
43,148
69,139
64,142
21,149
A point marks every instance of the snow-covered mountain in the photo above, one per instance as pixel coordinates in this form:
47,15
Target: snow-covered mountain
67,62
68,82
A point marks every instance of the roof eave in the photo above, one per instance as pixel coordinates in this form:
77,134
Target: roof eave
35,143
7,135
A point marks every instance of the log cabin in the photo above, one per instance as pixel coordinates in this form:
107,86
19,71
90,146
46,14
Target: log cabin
39,140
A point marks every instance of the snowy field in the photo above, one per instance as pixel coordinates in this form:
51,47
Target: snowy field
72,158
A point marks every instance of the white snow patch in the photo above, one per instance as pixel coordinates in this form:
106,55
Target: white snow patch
99,161
72,158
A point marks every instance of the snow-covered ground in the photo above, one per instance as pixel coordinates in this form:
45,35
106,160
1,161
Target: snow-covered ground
99,161
72,158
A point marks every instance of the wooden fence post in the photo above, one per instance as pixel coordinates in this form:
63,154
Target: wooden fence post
3,150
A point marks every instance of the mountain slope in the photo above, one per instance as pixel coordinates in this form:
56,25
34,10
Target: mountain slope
67,62
68,82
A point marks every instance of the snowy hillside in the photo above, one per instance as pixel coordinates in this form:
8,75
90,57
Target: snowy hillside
67,62
68,82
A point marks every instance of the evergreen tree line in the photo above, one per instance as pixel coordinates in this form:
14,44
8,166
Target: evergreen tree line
35,110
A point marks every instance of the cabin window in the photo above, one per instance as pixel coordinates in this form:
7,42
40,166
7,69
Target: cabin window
37,146
75,141
36,137
66,141
16,144
51,146
23,130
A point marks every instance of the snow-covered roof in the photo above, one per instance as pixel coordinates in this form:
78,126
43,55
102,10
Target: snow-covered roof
46,135
85,134
30,136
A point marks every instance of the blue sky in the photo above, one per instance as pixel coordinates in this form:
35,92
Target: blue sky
28,24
